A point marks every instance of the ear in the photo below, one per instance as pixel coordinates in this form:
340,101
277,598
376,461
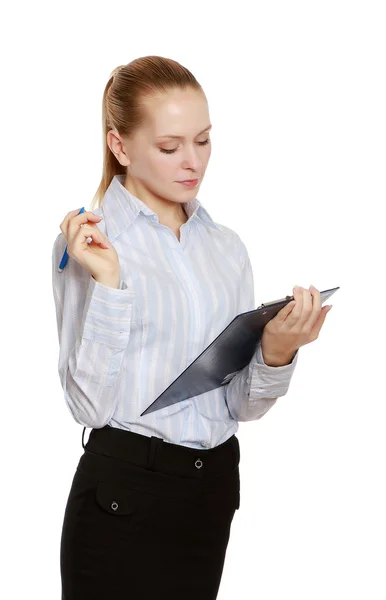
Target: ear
115,143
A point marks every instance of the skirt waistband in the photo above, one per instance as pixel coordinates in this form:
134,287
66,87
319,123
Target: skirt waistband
155,454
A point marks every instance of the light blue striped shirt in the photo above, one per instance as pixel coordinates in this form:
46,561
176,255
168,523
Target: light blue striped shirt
120,348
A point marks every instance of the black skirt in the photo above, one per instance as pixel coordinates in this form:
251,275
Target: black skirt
147,519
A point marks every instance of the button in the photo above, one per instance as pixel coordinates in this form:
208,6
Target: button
248,380
198,463
114,505
204,444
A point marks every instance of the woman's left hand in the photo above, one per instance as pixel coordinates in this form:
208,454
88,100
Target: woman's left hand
295,325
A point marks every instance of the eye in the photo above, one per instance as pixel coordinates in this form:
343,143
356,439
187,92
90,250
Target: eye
175,149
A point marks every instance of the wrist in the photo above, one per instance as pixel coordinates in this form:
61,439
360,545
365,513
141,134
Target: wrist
277,360
112,281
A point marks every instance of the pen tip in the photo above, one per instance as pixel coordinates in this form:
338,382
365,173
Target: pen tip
60,270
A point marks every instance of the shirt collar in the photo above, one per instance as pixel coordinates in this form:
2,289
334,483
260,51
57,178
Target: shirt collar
121,208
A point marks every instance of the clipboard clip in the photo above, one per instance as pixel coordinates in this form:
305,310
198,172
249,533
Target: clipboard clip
275,302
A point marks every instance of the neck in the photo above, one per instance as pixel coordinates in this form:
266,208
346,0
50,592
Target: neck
169,213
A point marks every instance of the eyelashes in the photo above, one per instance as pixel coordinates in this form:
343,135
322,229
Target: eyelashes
175,149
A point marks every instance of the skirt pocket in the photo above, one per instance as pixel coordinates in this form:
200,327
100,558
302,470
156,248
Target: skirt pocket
115,499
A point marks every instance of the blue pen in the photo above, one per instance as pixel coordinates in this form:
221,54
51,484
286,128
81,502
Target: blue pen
64,260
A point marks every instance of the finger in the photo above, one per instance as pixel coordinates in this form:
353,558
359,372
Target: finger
88,215
80,221
294,315
316,305
69,215
74,214
285,311
83,234
307,311
86,231
289,308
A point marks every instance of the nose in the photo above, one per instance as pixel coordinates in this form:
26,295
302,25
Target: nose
192,160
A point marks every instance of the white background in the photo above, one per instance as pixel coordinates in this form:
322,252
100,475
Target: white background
296,93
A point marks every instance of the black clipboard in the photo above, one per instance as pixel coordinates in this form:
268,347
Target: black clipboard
229,352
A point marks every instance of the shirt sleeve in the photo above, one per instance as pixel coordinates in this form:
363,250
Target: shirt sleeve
93,322
256,387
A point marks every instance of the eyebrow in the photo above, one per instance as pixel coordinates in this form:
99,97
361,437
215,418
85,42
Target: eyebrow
180,137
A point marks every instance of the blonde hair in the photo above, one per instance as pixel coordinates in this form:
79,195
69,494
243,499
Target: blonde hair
123,105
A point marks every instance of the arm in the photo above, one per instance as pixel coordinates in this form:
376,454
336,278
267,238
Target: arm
255,389
93,323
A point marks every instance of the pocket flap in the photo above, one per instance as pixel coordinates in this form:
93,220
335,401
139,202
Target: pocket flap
116,499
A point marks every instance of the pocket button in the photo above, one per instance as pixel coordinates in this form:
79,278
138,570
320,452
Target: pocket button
117,499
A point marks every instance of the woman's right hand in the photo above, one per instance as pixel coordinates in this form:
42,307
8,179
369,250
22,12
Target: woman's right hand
99,256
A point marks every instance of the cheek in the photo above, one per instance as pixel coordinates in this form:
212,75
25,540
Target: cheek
156,166
164,166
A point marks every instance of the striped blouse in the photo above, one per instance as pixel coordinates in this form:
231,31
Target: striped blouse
120,348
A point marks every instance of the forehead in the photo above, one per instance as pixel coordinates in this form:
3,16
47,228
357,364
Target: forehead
178,114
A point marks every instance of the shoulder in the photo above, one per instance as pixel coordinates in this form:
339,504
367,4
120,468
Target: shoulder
233,242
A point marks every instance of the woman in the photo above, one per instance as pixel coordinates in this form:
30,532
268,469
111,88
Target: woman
150,282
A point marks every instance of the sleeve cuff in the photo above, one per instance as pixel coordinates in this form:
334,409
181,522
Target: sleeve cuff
270,381
107,314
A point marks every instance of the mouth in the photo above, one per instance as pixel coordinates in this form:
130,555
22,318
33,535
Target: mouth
189,182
